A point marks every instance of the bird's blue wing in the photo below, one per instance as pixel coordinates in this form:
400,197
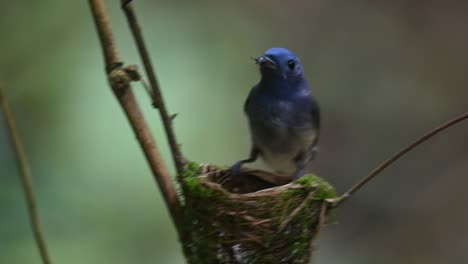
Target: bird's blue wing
248,99
315,114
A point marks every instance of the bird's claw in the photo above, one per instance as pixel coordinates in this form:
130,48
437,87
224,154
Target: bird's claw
298,174
235,169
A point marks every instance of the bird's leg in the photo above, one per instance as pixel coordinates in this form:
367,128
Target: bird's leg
313,151
302,159
235,169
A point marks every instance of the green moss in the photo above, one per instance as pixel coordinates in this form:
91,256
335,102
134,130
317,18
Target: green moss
288,193
324,189
303,245
193,185
192,169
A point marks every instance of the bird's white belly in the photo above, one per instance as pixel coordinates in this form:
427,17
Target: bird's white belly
282,159
282,163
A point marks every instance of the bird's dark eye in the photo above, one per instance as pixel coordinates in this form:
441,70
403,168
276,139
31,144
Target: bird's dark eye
291,64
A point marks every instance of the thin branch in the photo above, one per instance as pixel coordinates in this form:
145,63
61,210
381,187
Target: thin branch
120,83
397,156
158,100
26,179
296,211
320,225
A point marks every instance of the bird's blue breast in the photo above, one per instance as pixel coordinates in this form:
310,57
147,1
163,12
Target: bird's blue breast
280,123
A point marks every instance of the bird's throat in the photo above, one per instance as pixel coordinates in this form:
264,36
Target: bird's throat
280,86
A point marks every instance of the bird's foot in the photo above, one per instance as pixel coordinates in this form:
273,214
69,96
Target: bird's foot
235,169
298,174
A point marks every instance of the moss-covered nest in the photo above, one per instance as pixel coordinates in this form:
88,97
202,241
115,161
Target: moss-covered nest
244,219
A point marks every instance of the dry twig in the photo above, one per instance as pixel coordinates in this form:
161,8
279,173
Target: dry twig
158,101
296,211
120,84
26,179
395,157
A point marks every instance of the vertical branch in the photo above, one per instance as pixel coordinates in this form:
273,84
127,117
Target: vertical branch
26,179
120,84
158,101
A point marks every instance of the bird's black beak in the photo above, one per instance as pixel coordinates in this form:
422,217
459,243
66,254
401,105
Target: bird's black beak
266,62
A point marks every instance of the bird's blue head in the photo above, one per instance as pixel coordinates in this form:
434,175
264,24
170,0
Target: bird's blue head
280,63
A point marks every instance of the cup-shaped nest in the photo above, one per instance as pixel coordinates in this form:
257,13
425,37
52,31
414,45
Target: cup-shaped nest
244,219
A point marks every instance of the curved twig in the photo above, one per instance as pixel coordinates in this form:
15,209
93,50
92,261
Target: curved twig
397,156
158,101
26,179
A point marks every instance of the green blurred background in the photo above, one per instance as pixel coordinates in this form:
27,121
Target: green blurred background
384,73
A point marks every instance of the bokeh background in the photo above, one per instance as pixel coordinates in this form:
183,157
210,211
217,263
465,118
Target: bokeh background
383,71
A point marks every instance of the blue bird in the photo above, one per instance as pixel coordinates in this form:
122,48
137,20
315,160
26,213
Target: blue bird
283,116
